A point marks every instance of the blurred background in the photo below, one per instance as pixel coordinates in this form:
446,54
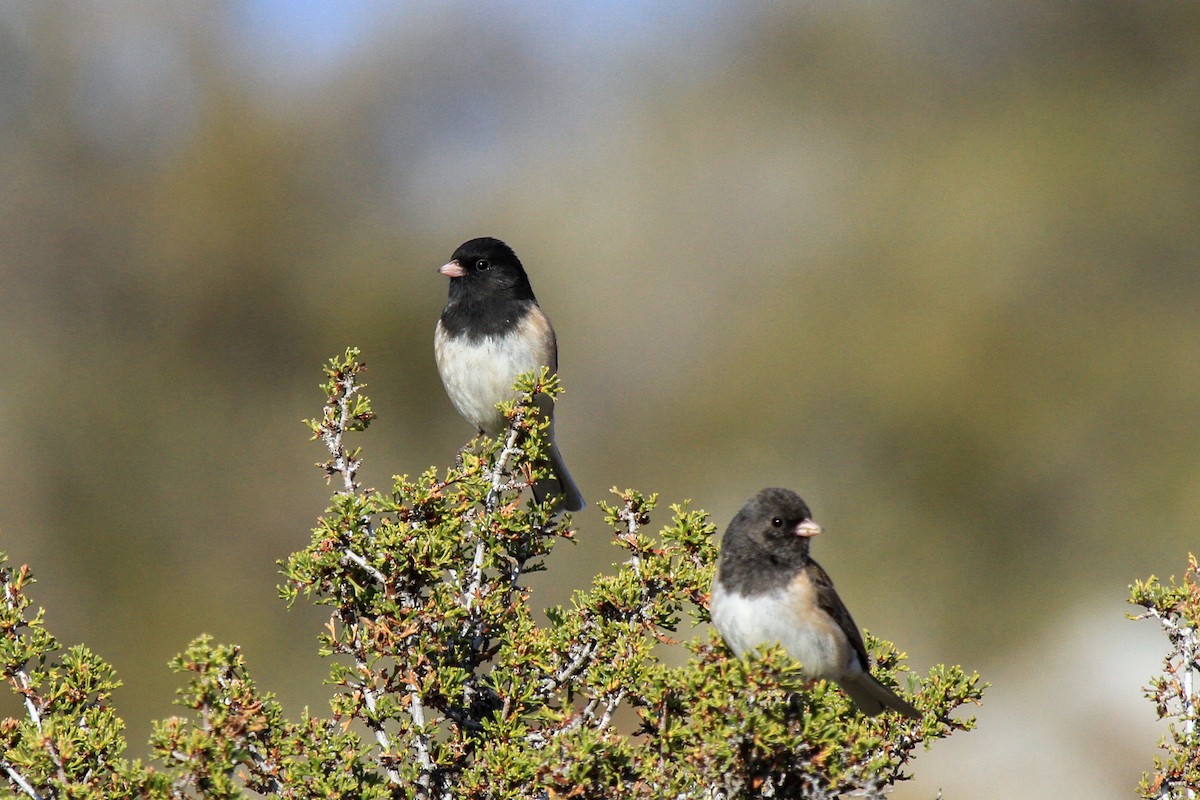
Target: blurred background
933,265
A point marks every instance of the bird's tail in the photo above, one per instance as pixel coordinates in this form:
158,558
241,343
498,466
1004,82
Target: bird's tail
558,487
872,697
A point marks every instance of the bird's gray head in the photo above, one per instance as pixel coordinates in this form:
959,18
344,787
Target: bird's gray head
775,522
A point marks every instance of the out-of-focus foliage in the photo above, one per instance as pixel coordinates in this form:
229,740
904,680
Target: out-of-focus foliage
932,265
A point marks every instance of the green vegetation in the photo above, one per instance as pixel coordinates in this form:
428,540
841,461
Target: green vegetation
446,686
1175,693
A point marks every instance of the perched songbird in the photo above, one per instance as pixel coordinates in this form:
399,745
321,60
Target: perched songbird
768,589
491,331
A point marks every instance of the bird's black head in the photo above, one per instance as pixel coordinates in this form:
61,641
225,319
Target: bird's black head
487,267
489,291
773,527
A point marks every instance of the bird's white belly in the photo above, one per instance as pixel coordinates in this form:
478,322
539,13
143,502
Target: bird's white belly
812,639
479,374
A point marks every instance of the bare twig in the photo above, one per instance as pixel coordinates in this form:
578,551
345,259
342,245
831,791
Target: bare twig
501,466
333,430
610,705
1186,641
266,769
1177,609
583,654
476,580
416,709
22,683
368,688
19,780
361,563
633,524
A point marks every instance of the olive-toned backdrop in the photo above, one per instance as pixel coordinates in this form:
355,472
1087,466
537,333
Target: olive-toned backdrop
935,266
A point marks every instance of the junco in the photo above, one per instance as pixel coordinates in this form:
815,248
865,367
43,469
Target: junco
768,589
491,331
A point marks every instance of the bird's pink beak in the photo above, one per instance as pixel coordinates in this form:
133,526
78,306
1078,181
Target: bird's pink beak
807,529
452,269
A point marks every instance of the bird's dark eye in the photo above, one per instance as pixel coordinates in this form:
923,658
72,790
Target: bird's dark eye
777,522
482,264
